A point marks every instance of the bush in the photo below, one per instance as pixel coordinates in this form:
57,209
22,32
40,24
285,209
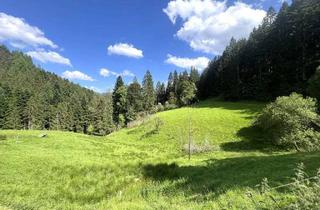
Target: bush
292,122
306,190
168,106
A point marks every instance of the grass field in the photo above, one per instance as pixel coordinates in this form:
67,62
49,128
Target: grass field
145,168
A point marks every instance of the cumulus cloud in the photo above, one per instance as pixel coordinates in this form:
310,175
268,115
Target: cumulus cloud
18,33
107,73
49,56
125,49
199,63
127,73
76,75
208,25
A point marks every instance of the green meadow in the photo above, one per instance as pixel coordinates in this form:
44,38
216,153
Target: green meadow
147,167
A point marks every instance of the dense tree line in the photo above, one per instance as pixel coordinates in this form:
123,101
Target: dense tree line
134,100
31,98
278,58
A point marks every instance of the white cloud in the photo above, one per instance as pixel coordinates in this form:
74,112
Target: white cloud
49,56
208,25
107,73
18,33
127,73
125,49
76,75
199,63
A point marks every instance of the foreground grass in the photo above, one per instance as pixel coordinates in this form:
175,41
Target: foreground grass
145,168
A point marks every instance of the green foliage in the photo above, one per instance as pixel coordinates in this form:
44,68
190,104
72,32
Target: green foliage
134,100
31,98
290,122
278,58
119,100
306,190
186,91
148,92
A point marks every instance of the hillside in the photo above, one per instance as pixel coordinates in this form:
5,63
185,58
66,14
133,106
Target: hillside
144,167
32,98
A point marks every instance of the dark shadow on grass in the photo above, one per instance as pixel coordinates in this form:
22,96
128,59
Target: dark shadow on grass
247,107
253,139
220,175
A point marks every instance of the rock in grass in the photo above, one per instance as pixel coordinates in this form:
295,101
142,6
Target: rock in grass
3,137
43,135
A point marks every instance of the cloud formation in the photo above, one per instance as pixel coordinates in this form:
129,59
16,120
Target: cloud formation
18,33
76,75
125,49
107,73
199,63
208,25
127,73
49,56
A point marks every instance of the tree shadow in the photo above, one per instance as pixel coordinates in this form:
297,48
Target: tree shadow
246,107
217,176
253,139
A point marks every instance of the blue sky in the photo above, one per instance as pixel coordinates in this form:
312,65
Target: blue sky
90,42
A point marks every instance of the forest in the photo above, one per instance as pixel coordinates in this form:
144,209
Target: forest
279,57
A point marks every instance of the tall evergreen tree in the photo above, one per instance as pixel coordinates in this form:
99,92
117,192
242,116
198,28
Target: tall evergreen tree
148,91
119,96
160,93
134,100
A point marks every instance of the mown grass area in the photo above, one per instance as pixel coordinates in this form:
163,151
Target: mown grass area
145,167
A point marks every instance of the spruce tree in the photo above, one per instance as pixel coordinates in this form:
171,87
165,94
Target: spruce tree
134,100
148,91
119,97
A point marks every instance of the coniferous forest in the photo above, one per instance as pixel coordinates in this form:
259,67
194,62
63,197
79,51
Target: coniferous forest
31,98
279,57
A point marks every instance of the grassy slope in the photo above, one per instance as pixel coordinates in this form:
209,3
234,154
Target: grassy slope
133,168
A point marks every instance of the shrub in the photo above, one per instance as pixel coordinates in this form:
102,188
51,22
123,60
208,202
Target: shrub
160,107
292,122
169,106
306,190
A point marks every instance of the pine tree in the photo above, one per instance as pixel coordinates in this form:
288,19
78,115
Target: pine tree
134,100
194,75
161,93
148,91
119,96
186,89
170,90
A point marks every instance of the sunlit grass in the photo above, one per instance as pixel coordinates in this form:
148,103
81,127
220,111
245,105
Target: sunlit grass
144,168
